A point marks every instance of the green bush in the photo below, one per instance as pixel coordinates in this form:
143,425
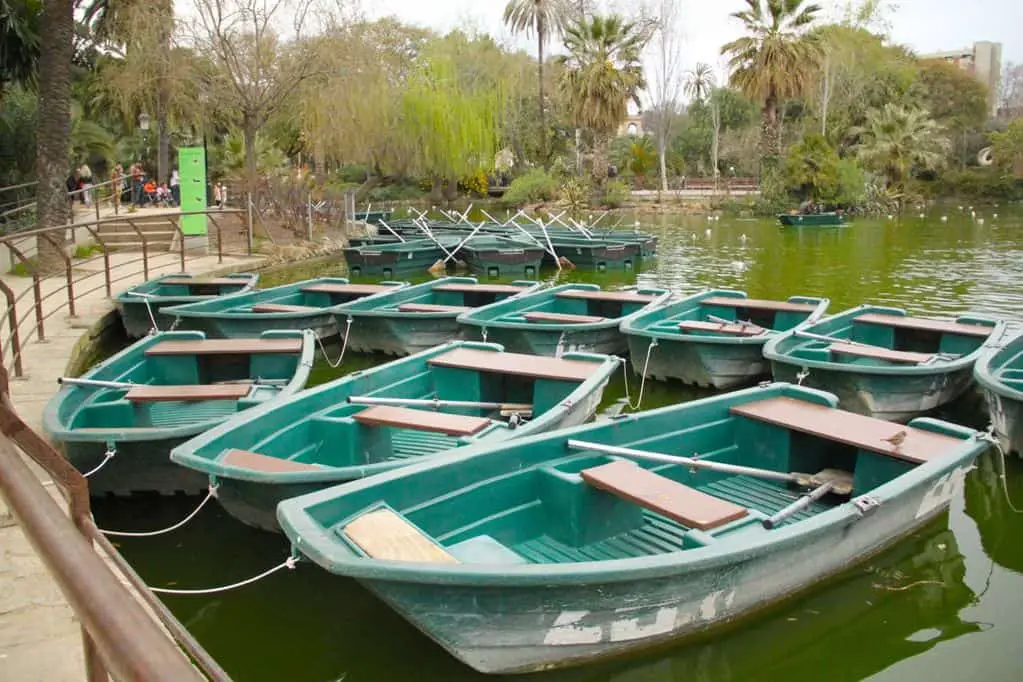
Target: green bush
83,251
576,193
475,183
355,173
402,192
979,184
534,187
616,193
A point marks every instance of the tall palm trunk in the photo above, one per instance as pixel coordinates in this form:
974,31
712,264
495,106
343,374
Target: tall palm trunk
53,128
165,23
541,36
770,133
600,162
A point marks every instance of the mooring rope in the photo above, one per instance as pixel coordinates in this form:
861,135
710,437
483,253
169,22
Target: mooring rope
642,381
288,563
107,456
211,492
990,437
344,346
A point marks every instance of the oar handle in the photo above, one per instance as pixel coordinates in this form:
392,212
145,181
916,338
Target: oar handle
799,505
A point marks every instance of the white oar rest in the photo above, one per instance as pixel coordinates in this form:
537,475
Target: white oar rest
383,534
677,501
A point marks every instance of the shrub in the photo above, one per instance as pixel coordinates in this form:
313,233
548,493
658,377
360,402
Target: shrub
534,187
402,192
355,173
475,183
616,193
980,184
83,251
576,193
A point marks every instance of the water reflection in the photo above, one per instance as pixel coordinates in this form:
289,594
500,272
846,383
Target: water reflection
998,511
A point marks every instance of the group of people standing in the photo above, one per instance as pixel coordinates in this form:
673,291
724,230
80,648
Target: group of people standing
135,187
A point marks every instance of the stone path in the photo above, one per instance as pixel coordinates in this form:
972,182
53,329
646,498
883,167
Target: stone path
40,640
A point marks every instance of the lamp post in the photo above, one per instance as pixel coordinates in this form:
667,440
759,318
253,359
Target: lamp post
144,127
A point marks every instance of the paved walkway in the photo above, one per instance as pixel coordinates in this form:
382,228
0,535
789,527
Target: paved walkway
40,639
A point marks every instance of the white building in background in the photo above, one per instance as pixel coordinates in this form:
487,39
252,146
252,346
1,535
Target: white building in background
983,61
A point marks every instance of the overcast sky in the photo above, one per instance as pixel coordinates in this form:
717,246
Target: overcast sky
923,25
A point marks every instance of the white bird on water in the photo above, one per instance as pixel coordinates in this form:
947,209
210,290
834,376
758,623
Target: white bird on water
980,221
743,237
944,218
708,232
994,216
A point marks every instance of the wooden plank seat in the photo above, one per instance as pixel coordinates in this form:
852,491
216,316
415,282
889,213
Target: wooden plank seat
925,324
382,534
758,304
187,393
421,420
735,329
431,308
226,347
348,289
214,281
481,288
880,353
594,295
849,428
284,308
677,501
244,459
561,317
516,364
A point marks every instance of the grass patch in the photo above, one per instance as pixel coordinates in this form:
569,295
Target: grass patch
21,269
83,251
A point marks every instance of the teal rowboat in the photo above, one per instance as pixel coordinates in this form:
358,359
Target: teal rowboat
397,258
999,371
320,437
373,217
812,219
121,419
597,254
570,317
142,305
714,338
495,256
416,318
591,542
302,305
882,362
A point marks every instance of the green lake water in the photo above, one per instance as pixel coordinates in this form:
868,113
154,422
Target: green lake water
945,604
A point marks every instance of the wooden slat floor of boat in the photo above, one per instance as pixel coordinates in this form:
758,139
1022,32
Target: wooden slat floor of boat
481,288
617,296
756,493
226,347
925,324
165,415
880,353
409,444
348,289
758,304
518,364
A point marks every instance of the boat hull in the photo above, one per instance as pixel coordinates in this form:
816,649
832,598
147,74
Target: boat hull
523,262
399,335
323,324
812,220
711,365
895,397
135,316
366,262
600,257
1007,419
606,340
136,466
512,629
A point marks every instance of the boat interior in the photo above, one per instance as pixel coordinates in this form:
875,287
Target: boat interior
724,315
383,417
307,297
183,285
1007,366
179,382
445,296
563,501
888,337
572,306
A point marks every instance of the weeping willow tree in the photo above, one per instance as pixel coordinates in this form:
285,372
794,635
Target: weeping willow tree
451,119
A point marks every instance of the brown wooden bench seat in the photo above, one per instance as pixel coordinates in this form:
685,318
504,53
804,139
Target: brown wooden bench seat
187,393
284,308
517,364
421,420
880,353
925,324
244,459
735,329
382,534
758,304
431,308
348,289
561,317
617,296
847,427
226,347
677,501
481,288
215,281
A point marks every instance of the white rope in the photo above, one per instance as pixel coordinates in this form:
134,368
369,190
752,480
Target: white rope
802,375
107,456
344,347
211,492
642,381
990,437
483,333
560,348
287,563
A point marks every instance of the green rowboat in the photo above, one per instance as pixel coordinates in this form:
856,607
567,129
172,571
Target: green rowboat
882,362
397,258
714,338
335,433
999,371
592,542
373,217
419,317
598,254
812,219
495,256
121,419
570,317
141,306
302,305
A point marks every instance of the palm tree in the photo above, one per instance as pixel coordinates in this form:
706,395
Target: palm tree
896,139
543,17
603,71
19,41
699,81
777,59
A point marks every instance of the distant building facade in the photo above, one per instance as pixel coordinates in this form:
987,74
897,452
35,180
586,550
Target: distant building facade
983,61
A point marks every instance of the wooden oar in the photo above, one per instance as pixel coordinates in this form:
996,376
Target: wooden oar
517,408
95,383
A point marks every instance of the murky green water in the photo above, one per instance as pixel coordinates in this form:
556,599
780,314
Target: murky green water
946,604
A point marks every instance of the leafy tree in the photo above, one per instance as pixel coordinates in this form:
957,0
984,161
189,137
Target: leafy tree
897,140
776,60
544,18
667,84
1007,148
602,73
699,81
20,24
636,154
955,100
811,168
